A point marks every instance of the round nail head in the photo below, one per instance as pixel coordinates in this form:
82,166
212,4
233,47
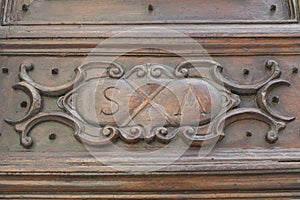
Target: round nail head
52,136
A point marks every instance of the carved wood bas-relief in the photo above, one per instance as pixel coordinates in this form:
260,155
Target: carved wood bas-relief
150,102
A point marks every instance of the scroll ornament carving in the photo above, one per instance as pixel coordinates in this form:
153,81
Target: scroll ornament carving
122,96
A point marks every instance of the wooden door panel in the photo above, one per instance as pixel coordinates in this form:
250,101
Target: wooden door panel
247,70
31,12
149,99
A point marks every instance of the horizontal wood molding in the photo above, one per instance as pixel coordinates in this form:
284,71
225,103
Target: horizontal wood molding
213,46
77,175
86,31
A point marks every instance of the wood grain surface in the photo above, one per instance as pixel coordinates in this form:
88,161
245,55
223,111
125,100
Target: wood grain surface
251,47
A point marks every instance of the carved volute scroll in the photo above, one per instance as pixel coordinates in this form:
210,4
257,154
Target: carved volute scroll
150,102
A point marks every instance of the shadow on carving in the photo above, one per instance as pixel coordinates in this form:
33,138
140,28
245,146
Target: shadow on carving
35,101
270,65
24,128
253,114
262,98
44,90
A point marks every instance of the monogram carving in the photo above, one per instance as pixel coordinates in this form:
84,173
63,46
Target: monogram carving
150,102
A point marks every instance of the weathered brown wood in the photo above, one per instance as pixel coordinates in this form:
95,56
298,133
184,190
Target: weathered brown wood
132,12
250,50
81,176
214,46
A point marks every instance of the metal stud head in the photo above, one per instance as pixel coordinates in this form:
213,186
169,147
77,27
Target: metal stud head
52,136
150,7
273,8
25,7
5,70
275,99
295,70
23,104
248,133
246,72
54,71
